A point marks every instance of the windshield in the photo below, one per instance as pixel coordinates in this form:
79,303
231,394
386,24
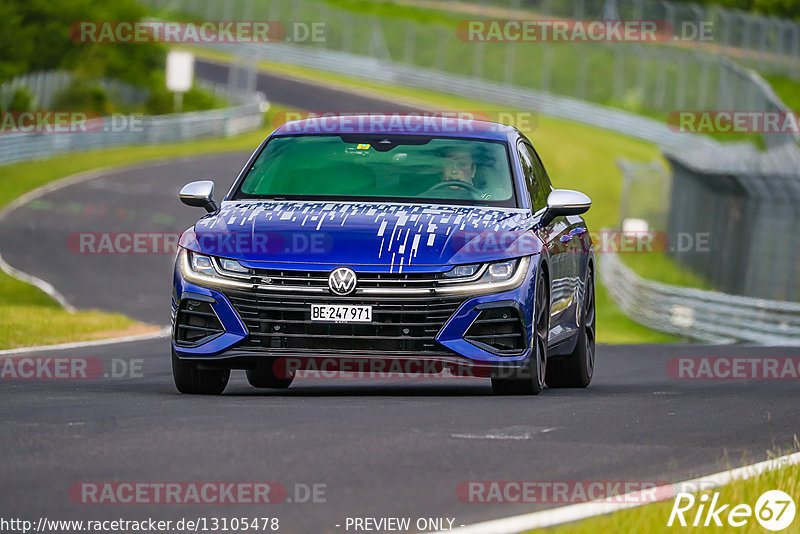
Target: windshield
367,167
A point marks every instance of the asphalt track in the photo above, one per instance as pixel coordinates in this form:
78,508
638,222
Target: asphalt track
382,448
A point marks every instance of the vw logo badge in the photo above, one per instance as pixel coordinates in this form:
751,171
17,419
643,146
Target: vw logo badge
342,280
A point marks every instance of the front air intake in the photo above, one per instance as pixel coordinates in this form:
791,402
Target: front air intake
196,322
498,330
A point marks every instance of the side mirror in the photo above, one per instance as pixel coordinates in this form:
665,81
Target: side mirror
199,195
565,202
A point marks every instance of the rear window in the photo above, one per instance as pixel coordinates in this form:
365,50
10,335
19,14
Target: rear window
400,168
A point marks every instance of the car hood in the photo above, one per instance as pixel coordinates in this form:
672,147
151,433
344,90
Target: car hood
405,236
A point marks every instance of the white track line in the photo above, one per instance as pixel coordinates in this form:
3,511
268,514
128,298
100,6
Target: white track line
47,287
575,512
164,332
85,176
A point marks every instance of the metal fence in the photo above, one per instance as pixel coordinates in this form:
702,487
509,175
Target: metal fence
45,86
698,314
245,114
747,203
650,78
769,43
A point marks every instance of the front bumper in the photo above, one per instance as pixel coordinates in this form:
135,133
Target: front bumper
446,328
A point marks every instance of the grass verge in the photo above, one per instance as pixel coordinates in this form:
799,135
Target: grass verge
653,518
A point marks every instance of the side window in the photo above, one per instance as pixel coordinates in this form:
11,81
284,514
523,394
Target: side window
534,176
544,180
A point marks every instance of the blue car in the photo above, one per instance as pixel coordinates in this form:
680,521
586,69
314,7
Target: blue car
410,243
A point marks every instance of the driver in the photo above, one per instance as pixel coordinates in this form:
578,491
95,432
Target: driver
459,165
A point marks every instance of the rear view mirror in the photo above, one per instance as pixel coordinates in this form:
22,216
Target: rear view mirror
199,194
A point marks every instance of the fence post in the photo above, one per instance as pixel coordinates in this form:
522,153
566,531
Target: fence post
619,72
408,47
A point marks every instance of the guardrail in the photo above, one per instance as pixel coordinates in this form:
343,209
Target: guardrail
699,314
138,129
514,97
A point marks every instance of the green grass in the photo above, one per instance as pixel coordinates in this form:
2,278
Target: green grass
652,518
656,266
787,90
31,317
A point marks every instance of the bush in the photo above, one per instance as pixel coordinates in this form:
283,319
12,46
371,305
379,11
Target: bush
21,100
34,36
197,98
82,95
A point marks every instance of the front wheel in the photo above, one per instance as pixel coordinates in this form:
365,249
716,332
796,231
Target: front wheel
189,378
575,370
529,380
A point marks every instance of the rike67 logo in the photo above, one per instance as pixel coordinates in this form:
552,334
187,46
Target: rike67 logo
774,510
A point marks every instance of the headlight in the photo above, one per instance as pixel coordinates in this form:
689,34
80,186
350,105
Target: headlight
489,278
492,272
202,264
206,270
233,266
462,271
500,271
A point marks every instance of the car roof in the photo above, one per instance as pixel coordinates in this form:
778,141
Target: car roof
442,125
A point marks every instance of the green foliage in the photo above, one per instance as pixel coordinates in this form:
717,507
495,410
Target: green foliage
35,35
197,98
778,8
82,95
21,100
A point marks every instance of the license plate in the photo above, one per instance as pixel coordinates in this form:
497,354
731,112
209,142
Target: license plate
341,313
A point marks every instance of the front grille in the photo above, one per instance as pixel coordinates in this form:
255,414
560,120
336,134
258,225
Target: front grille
498,328
196,321
319,279
282,322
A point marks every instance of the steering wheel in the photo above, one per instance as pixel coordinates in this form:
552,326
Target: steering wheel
457,183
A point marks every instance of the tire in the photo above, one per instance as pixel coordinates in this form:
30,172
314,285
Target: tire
575,370
263,376
190,379
530,380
